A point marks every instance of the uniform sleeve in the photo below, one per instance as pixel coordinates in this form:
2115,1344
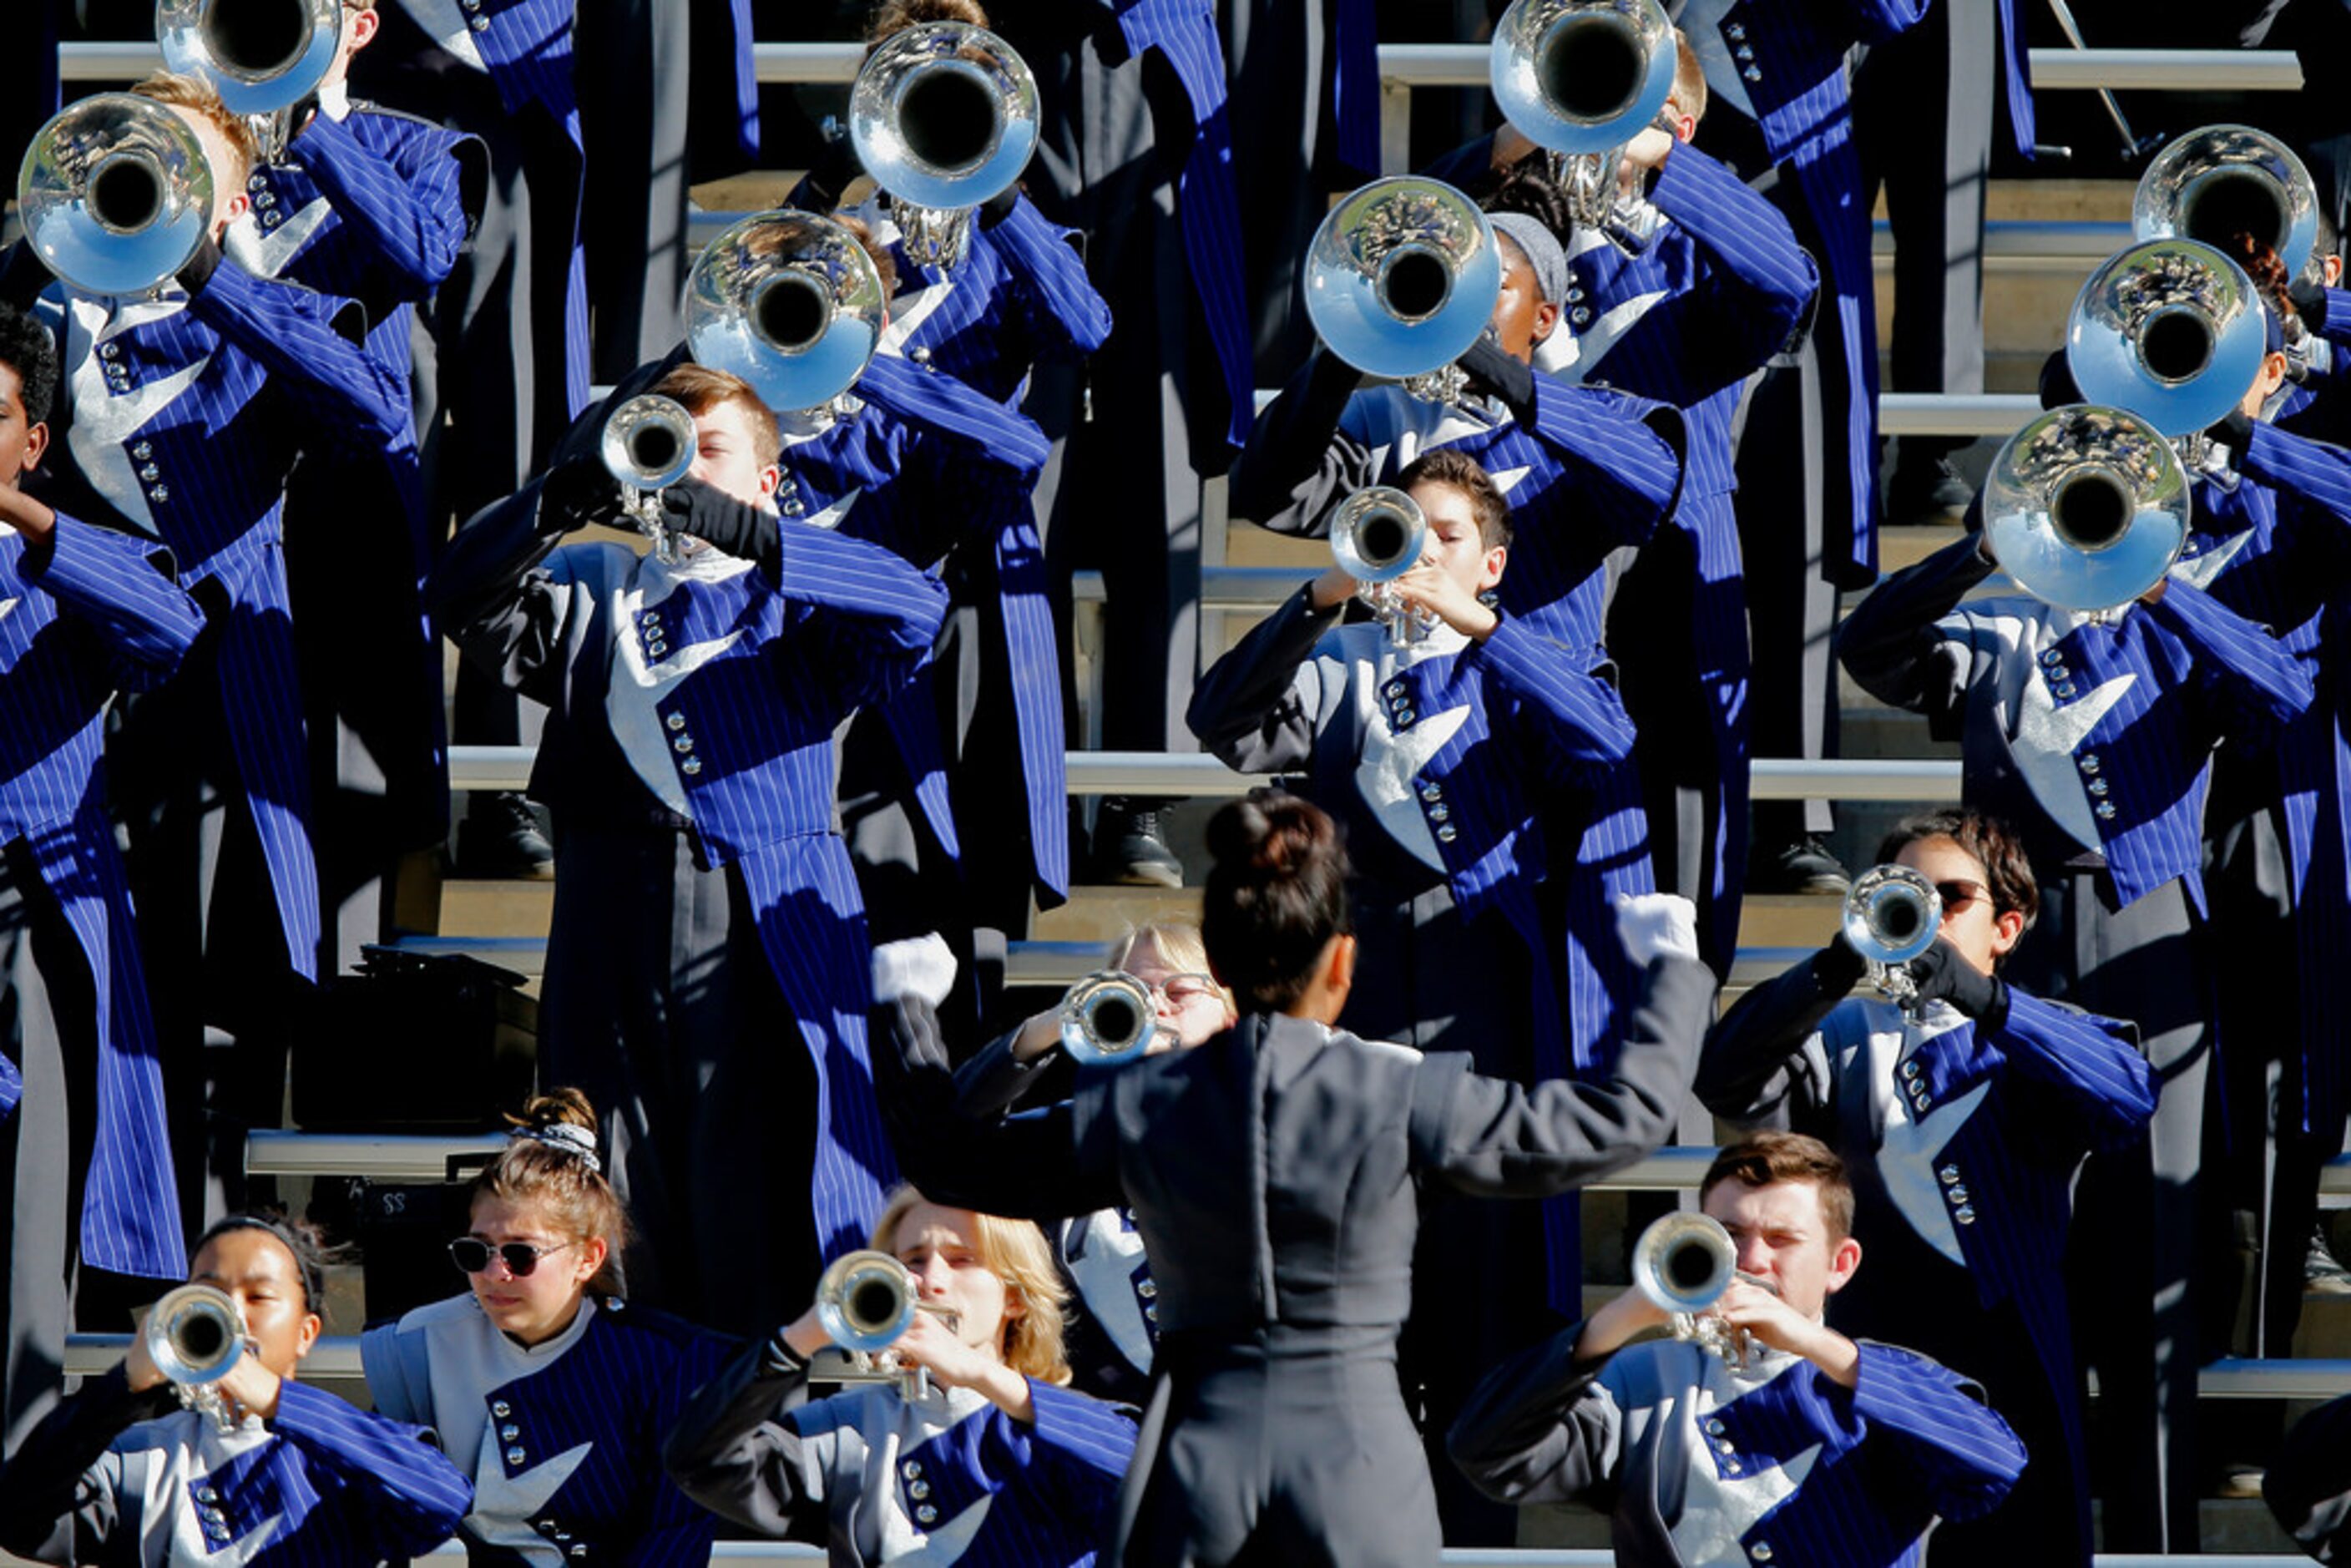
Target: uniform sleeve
1541,1427
343,396
406,1497
1073,1455
124,588
2249,687
1894,644
1754,290
411,209
61,1498
1066,314
1500,1139
1962,1455
1766,1062
737,1449
2308,1484
1300,459
2317,473
1579,723
1625,458
1876,21
2088,1065
972,461
878,615
679,1533
492,595
1260,706
993,1080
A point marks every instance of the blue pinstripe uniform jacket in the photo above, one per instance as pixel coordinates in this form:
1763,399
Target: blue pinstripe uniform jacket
1701,1464
2094,741
708,695
91,617
563,1440
115,1476
1791,57
950,1479
182,418
1963,1142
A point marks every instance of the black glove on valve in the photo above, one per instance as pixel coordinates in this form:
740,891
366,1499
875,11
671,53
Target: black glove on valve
722,522
1512,382
1941,972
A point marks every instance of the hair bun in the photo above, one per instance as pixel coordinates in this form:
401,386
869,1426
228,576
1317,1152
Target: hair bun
563,1107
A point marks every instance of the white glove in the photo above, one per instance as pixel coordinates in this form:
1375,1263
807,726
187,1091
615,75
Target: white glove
1654,925
921,967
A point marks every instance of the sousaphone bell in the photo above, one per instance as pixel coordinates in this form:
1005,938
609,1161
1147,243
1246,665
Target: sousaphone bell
2169,330
2215,183
2086,508
1580,79
944,116
1401,278
262,57
789,301
115,195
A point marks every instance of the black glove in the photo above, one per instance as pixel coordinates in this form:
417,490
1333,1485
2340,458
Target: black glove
722,522
576,492
1837,968
1941,972
999,207
2233,430
1512,382
201,266
2057,388
835,170
2309,296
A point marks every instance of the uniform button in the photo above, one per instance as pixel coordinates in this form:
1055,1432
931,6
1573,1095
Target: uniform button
926,1514
471,6
1760,1551
143,450
1147,1289
580,1549
1735,32
151,473
1151,1313
1445,834
1405,715
1394,688
254,181
2106,810
1958,1194
264,201
921,356
515,1457
1920,1102
2065,690
2090,763
913,1468
509,1432
1910,1069
501,1409
1949,1174
1965,1215
110,351
690,767
206,1494
792,508
1580,315
480,23
918,1490
1725,1445
681,744
1752,74
270,220
2052,656
2098,787
1744,52
1714,1427
1439,813
158,494
1574,296
1432,793
563,1536
675,721
1730,1466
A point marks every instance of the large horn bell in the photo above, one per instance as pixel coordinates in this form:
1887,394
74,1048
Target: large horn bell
2168,328
115,194
2086,508
262,55
2225,180
789,301
1402,276
944,115
1583,75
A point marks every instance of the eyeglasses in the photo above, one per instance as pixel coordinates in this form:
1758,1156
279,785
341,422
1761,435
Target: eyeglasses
473,1255
1181,990
1959,892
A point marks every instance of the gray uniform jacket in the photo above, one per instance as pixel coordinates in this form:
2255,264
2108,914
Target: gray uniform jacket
1277,1174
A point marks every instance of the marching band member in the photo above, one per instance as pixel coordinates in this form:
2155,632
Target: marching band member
1963,1119
82,612
689,757
994,1461
1817,1449
1277,1175
286,1476
543,1383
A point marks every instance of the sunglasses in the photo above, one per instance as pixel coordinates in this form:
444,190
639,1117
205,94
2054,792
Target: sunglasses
1957,895
472,1256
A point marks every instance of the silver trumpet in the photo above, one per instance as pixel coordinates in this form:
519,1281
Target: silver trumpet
1108,1018
648,446
789,301
2169,330
865,1301
944,117
1378,534
195,1335
115,194
1683,1263
262,57
1891,915
2226,180
1400,280
2086,508
1580,79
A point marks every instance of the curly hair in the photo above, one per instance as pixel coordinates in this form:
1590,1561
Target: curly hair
28,348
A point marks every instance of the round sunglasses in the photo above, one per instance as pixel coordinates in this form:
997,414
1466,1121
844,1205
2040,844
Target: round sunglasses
473,1255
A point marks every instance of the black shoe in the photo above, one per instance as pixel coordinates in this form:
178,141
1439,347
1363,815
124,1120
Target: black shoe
1128,849
1923,492
2322,1274
499,839
1800,865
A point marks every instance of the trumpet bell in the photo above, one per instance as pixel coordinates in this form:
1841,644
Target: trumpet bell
789,301
115,194
866,1300
2225,180
2168,328
2086,508
1108,1018
1402,276
1582,76
648,442
262,55
944,114
1378,534
1684,1262
195,1334
1891,915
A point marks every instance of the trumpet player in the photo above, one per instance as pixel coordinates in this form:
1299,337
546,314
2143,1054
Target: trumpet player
1964,1118
999,1462
1821,1448
288,1475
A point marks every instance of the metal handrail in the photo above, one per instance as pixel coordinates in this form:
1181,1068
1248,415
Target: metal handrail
1998,415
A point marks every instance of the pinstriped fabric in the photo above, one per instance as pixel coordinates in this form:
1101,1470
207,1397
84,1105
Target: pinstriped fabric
1207,200
2016,69
1602,470
1047,1487
405,1497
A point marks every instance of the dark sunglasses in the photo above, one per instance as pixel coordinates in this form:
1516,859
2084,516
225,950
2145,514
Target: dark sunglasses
473,1255
1961,894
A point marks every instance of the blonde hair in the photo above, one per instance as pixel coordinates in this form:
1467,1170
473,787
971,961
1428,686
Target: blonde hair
1689,77
197,96
896,16
1179,947
573,1193
1016,1252
698,389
